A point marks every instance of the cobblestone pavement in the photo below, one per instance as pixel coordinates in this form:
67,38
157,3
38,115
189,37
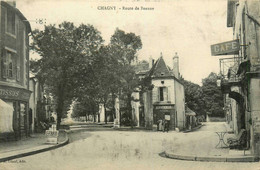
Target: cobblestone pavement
124,150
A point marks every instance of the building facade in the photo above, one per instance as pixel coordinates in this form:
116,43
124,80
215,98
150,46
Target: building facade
14,72
40,105
165,100
243,82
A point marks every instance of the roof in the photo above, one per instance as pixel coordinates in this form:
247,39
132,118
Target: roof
10,7
189,112
161,71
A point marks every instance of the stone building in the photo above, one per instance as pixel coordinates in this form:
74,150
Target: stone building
165,99
242,85
14,72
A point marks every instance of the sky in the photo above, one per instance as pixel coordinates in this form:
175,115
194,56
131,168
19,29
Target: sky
187,27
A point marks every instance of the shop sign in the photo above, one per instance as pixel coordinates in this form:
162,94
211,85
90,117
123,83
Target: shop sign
163,107
14,93
52,135
225,48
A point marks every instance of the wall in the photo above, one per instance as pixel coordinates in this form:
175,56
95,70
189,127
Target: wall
32,101
148,109
18,44
180,105
167,83
247,30
255,114
135,108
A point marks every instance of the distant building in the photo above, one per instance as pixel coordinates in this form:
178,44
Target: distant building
40,105
14,72
164,100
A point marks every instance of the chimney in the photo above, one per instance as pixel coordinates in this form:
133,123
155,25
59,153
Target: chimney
12,3
176,66
151,62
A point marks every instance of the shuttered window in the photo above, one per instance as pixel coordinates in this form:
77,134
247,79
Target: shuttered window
155,94
4,64
8,65
10,22
163,94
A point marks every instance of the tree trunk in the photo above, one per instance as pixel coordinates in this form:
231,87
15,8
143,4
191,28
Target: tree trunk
113,106
60,105
105,113
59,114
129,108
94,114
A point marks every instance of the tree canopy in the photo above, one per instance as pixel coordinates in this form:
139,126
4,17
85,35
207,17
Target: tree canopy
66,52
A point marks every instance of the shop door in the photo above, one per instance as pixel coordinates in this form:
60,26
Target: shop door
22,119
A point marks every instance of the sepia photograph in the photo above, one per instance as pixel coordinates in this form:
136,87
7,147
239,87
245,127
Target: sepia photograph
129,84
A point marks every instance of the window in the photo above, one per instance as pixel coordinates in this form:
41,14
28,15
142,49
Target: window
163,93
9,64
10,22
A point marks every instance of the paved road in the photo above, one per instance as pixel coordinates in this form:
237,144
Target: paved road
121,150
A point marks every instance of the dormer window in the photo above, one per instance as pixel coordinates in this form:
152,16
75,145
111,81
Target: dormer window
162,73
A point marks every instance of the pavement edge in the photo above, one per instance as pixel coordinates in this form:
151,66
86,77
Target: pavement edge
65,142
211,158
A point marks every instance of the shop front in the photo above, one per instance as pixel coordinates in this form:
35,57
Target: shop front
164,112
18,100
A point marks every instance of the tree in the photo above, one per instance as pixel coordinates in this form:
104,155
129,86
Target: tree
125,46
212,96
193,96
66,52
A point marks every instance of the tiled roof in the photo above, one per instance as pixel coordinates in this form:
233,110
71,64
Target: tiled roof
160,69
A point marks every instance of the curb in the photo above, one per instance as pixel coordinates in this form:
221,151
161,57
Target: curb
35,151
211,158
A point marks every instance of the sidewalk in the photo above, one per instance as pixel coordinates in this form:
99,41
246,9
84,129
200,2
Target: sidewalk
201,146
28,146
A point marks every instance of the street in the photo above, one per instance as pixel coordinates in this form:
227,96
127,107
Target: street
123,150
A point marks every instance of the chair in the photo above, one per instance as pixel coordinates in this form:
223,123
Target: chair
238,142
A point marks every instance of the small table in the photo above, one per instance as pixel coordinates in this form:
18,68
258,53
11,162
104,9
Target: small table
221,139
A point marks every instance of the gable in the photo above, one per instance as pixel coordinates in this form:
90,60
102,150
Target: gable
160,69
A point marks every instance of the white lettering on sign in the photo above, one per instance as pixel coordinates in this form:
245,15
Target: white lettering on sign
226,48
164,107
9,92
51,133
52,136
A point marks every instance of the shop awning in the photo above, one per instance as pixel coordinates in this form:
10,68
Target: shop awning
6,117
189,112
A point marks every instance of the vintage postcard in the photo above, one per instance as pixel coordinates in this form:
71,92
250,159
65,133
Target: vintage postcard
129,84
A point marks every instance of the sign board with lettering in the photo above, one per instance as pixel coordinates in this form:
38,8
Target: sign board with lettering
13,93
225,48
52,136
164,107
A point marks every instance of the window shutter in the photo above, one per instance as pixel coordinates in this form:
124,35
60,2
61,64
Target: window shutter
4,64
169,93
4,70
155,94
18,73
165,94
